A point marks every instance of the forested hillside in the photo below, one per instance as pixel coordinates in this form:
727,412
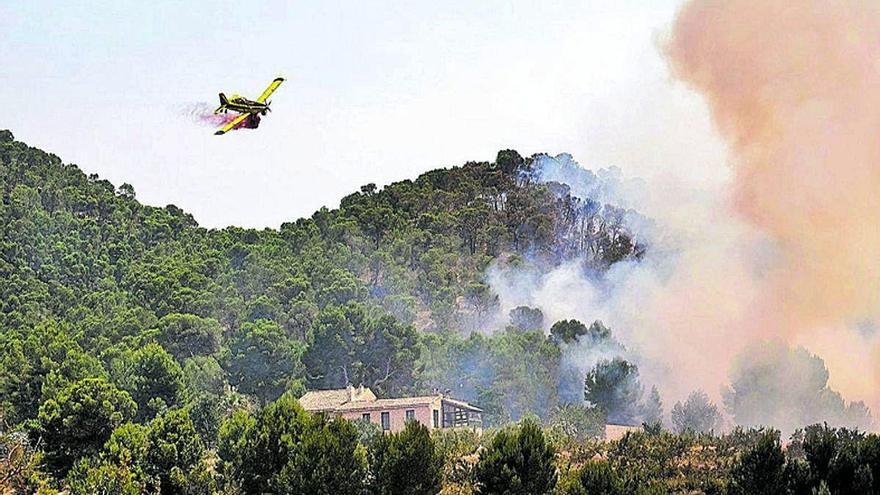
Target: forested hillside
96,284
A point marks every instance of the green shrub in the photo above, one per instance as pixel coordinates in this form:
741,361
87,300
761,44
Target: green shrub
760,470
405,463
518,462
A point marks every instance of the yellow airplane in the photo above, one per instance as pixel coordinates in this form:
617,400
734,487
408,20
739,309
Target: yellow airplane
249,110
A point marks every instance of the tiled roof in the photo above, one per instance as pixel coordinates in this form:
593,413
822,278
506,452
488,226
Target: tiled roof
323,400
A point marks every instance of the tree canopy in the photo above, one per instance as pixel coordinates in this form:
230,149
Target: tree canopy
518,462
80,419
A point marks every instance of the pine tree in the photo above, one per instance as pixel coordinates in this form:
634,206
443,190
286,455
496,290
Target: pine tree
405,463
519,462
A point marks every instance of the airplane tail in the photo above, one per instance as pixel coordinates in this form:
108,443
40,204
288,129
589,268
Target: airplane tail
223,103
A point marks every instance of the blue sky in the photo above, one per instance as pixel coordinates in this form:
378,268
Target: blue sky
376,92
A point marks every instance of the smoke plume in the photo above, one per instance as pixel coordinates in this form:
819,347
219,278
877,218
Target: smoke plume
787,251
793,89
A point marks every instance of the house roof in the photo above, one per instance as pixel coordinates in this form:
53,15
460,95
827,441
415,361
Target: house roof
462,404
323,400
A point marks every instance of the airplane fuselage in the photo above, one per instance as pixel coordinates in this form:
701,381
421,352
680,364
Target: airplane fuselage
242,105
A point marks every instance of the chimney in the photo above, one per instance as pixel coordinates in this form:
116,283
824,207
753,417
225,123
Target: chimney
350,391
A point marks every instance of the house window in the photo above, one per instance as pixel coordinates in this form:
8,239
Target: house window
386,421
436,418
365,417
410,414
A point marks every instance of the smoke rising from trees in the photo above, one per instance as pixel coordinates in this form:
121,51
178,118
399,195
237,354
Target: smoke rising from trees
784,252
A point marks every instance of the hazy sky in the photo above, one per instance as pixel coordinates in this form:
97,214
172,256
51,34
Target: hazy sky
376,92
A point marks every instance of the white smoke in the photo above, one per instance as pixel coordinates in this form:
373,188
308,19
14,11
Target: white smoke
677,309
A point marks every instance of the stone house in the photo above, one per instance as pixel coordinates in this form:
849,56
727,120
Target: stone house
360,403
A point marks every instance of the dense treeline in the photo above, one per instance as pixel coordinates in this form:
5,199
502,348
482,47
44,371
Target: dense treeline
280,448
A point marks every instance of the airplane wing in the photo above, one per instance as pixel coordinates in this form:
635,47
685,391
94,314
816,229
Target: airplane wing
271,89
231,125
